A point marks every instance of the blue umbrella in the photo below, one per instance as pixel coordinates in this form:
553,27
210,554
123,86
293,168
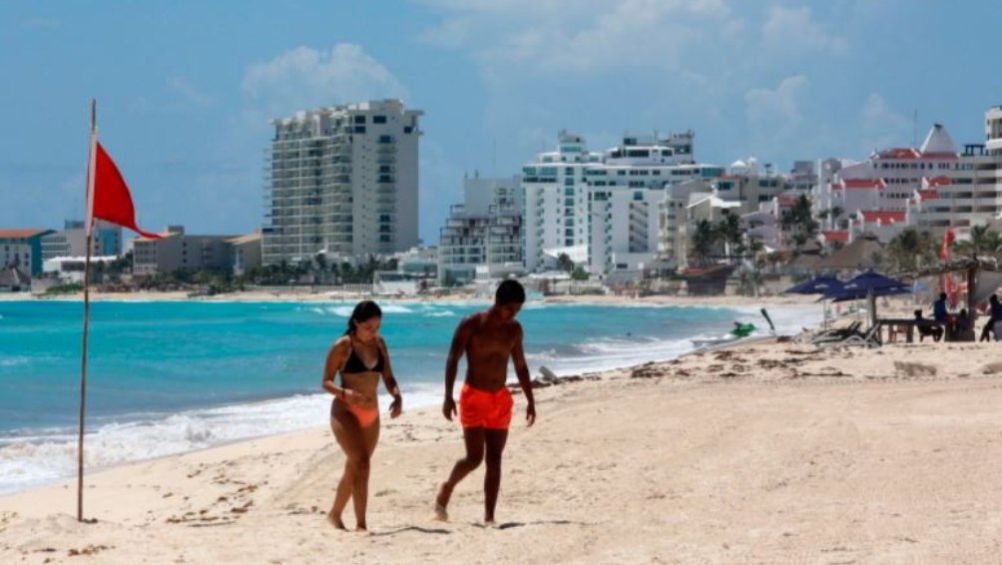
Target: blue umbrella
869,285
817,285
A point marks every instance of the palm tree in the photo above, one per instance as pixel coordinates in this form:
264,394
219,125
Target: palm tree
983,241
911,250
703,239
729,230
799,221
565,263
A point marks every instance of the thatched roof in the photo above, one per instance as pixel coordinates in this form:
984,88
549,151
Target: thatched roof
859,254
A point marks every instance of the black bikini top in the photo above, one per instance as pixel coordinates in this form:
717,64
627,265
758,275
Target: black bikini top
356,365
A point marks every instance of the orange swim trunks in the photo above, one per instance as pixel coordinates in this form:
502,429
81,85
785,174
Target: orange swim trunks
483,409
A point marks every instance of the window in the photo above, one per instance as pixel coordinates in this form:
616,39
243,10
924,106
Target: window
408,129
359,119
386,139
360,129
378,119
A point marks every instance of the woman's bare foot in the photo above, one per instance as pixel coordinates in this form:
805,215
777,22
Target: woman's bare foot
335,521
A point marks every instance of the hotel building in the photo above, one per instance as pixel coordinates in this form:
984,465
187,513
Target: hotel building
342,181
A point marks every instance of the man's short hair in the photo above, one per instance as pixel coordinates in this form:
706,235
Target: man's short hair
509,291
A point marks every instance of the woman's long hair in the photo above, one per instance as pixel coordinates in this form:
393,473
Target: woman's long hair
364,311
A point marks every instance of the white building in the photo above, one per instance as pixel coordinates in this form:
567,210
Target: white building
177,250
106,240
602,209
672,218
484,234
932,187
22,248
245,253
342,181
71,269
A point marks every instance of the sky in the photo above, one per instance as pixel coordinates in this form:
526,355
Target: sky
186,89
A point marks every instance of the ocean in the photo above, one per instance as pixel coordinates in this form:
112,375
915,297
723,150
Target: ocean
169,377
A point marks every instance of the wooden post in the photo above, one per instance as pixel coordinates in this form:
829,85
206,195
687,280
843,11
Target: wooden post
88,226
972,287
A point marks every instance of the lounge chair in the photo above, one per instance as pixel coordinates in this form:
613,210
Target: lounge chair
869,339
837,334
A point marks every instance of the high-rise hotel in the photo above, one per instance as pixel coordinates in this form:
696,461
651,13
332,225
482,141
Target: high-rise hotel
342,181
601,208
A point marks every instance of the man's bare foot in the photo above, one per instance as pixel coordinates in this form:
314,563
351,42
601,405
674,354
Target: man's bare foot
440,513
441,501
335,521
490,524
361,528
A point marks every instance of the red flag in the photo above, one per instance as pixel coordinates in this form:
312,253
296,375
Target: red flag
944,252
944,255
111,199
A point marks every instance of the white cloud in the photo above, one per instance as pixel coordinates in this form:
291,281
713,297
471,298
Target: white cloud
794,29
880,126
306,78
188,92
575,36
779,107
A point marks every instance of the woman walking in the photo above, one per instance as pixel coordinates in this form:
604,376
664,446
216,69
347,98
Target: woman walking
361,357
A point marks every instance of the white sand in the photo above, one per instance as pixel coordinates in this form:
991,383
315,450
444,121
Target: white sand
775,453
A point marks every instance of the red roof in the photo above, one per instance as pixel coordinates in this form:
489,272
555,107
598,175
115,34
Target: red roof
899,153
937,181
883,216
931,155
785,200
928,195
836,235
864,183
20,234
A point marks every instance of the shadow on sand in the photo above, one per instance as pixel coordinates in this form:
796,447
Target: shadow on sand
403,529
509,525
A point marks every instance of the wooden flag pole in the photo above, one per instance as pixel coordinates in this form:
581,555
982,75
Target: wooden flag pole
88,226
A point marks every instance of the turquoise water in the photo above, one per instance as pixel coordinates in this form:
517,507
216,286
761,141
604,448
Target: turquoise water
166,377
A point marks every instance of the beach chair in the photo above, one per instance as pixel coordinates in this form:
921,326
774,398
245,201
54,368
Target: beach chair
869,339
838,334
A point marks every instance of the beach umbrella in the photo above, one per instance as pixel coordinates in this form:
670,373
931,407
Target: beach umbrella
817,285
869,285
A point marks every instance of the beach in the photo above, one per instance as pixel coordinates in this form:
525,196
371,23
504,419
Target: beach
776,452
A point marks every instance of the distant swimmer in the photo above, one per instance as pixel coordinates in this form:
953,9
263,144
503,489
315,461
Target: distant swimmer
488,339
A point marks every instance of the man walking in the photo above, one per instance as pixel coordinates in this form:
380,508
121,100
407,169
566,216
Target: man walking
488,339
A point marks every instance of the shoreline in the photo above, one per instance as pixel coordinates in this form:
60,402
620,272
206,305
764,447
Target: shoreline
425,391
813,443
327,297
